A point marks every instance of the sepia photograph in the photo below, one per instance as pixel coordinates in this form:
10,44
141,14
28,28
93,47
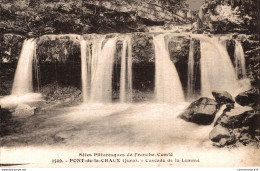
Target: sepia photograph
129,84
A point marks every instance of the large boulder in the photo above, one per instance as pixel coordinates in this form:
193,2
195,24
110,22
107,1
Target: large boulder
243,124
249,98
223,97
24,110
201,111
235,118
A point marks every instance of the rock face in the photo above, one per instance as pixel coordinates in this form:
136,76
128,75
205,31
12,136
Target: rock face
148,9
223,97
249,98
89,16
201,111
24,110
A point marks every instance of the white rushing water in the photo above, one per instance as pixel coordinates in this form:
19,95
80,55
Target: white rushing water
97,61
217,71
23,74
191,81
97,72
240,65
90,53
101,87
84,68
168,87
129,71
22,90
126,71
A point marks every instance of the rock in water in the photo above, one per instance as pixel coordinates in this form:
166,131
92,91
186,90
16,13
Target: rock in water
201,111
235,118
24,110
249,98
218,133
223,97
243,124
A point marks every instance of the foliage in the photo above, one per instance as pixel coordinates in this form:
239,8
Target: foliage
174,5
11,46
225,12
229,16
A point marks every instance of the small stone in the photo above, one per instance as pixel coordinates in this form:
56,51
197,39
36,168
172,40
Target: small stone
229,107
236,134
244,137
67,99
223,141
63,135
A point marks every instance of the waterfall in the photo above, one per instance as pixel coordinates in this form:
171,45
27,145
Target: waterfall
129,71
23,74
191,81
123,73
95,55
90,53
97,67
97,60
126,71
217,72
168,87
240,60
101,87
84,68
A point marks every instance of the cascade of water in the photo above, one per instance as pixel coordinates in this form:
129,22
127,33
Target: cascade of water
240,60
101,87
191,83
23,75
84,69
97,57
129,70
168,87
126,71
89,62
217,72
123,73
